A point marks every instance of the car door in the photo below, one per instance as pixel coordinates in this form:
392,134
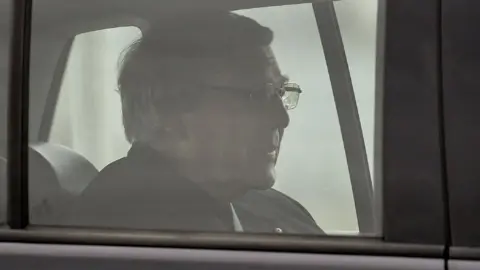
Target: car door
401,216
460,58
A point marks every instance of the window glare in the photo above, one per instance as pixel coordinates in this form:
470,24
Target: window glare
93,83
311,169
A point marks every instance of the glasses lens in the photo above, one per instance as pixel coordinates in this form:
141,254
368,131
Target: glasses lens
290,100
291,95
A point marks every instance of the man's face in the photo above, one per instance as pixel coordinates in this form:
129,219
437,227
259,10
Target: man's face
234,131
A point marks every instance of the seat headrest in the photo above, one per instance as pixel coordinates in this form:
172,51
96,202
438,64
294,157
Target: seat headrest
72,171
57,175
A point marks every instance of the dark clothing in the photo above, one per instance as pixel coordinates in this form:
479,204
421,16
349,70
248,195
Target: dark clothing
145,191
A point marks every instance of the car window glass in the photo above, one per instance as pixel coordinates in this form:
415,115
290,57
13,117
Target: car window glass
312,191
4,60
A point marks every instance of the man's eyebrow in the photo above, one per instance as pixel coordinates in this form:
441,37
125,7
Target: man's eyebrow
284,79
279,80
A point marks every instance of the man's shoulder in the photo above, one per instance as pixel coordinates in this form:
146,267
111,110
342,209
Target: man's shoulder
120,176
119,194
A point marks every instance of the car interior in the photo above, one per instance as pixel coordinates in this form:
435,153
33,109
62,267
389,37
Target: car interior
410,207
67,173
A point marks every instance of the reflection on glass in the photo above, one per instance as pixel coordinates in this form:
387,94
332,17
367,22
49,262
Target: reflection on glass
291,95
180,132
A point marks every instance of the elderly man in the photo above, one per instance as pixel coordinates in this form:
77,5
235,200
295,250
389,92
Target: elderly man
202,106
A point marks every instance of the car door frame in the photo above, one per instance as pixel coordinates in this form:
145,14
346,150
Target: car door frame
409,158
461,62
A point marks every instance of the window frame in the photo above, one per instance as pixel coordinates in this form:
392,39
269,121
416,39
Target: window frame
5,27
53,94
409,160
348,117
345,103
413,174
461,58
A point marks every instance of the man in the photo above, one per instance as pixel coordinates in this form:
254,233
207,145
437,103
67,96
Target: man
202,106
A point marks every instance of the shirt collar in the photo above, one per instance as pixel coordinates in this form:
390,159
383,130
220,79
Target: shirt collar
237,226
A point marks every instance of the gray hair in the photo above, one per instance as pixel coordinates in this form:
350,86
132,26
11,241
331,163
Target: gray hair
172,58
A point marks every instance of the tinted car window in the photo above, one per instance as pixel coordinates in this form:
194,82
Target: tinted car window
209,122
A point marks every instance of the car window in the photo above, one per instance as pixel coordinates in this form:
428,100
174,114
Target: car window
124,88
4,60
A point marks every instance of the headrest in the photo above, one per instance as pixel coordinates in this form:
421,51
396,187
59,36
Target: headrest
72,171
57,175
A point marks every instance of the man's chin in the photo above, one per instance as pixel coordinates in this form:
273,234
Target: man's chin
256,177
263,180
263,185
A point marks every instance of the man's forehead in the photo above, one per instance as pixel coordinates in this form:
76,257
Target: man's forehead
274,73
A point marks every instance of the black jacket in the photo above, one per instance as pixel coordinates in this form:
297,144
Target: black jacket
143,191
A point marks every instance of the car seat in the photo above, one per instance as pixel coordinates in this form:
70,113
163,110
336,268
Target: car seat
58,175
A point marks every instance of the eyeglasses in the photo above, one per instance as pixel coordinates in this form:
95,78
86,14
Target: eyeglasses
289,93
